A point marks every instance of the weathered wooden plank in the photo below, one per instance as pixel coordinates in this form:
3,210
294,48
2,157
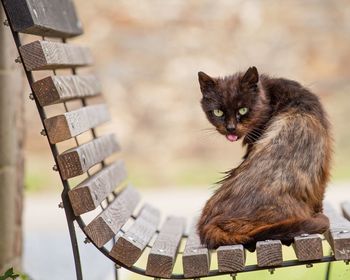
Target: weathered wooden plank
231,258
338,235
78,160
196,257
129,247
44,17
73,123
92,191
162,257
106,225
308,247
45,55
345,206
269,253
58,89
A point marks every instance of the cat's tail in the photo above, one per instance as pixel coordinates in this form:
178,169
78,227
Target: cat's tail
288,229
215,234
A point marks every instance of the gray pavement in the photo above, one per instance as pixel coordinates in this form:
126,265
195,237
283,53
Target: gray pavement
47,251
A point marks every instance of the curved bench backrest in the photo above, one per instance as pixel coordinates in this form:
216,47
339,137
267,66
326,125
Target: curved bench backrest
72,130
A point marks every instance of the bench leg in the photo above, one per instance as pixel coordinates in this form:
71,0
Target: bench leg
73,236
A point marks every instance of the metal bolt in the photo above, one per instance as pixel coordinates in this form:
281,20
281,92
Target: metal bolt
86,241
6,22
43,132
271,270
117,266
344,231
233,276
18,60
131,239
60,205
109,221
84,159
31,96
59,85
54,168
309,265
304,235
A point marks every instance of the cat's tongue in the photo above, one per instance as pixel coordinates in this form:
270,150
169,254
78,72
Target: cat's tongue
231,137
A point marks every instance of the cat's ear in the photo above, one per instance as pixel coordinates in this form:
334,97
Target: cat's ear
206,82
251,77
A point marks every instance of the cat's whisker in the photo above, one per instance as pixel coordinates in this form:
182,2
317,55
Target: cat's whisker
262,129
209,132
253,134
208,129
250,139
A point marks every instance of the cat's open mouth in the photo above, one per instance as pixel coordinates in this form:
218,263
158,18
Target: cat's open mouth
232,137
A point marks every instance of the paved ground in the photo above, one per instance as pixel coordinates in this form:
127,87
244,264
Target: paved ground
47,253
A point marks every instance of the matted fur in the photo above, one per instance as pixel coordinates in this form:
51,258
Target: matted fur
277,191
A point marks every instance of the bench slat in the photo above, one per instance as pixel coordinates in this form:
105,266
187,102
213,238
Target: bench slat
162,257
92,191
308,247
231,258
129,247
345,206
44,17
269,253
45,55
63,127
78,160
338,235
58,89
106,225
196,257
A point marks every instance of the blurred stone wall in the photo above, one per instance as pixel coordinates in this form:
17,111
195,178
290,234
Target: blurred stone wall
148,54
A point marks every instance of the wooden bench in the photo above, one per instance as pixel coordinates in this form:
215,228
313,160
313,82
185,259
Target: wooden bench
104,186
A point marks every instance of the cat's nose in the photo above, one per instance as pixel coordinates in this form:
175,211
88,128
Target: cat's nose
231,128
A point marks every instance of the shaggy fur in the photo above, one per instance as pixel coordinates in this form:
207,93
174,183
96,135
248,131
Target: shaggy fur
277,191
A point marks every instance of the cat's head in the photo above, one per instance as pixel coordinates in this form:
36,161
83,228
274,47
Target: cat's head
235,104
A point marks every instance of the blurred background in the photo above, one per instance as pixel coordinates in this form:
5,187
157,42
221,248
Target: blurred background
147,55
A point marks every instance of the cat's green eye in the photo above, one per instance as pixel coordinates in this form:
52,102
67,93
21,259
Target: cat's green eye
242,111
218,113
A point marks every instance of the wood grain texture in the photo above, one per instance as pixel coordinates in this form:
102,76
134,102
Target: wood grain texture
106,225
269,253
129,247
44,17
338,235
45,55
231,258
78,160
58,89
73,123
308,247
92,191
196,257
345,206
12,139
162,257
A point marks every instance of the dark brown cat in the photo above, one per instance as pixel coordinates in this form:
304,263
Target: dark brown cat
277,191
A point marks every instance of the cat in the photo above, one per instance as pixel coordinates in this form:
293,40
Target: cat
276,193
